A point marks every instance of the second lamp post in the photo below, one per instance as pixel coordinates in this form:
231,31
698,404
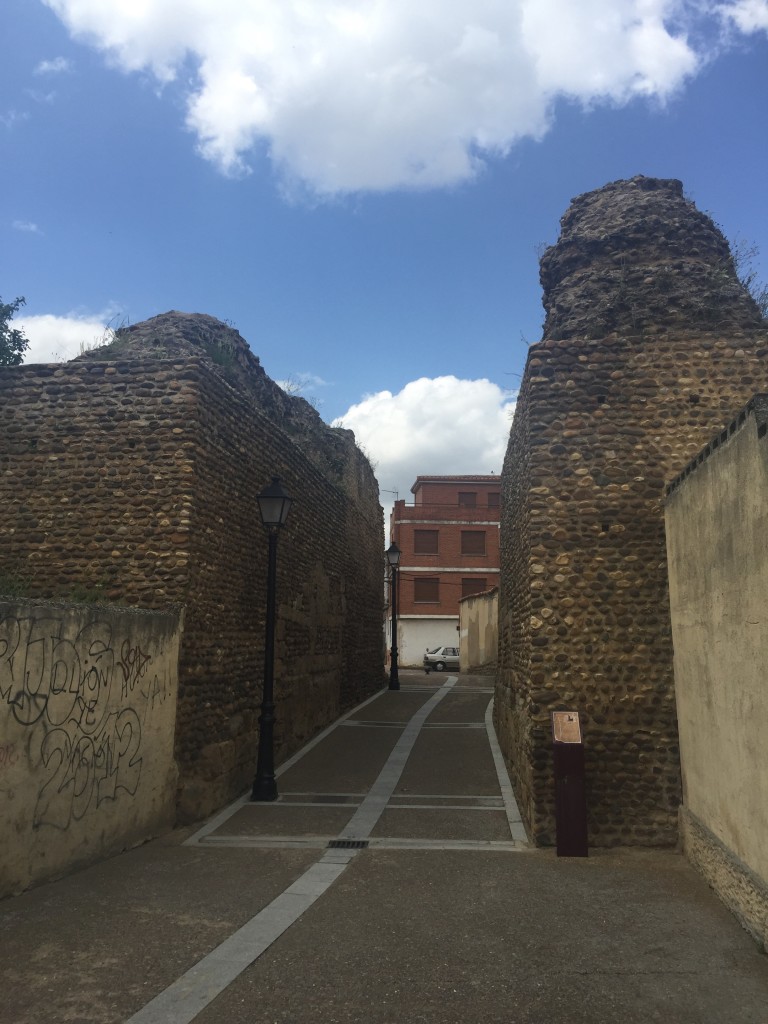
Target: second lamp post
393,558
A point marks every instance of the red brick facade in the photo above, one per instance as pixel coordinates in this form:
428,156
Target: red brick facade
449,539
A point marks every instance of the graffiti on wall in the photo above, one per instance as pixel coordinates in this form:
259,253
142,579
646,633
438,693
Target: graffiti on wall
79,705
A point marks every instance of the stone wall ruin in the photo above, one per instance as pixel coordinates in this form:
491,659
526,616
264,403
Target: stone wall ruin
650,346
130,475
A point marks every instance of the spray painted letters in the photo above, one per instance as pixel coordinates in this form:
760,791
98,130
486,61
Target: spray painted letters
80,704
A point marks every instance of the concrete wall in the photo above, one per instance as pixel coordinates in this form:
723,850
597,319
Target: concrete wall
87,716
479,629
717,550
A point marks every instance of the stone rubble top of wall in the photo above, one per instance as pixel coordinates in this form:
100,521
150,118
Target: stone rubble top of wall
757,407
637,256
190,337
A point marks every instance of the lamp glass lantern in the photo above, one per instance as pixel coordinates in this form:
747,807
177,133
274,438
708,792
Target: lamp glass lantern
274,504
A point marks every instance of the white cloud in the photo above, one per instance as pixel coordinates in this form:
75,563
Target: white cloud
55,339
434,426
748,15
56,66
351,95
595,50
28,226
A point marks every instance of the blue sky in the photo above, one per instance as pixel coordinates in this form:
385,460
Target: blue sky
362,188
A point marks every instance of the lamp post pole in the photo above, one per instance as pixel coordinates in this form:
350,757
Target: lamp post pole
274,505
393,557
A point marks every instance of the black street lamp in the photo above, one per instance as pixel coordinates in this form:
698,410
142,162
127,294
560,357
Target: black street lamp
393,558
274,505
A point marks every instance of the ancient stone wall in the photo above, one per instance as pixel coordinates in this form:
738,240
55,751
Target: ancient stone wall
134,479
328,646
651,344
95,465
584,612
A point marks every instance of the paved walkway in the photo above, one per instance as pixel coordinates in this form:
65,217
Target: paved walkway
390,882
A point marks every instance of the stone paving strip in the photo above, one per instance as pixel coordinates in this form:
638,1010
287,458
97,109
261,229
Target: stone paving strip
364,819
185,999
516,827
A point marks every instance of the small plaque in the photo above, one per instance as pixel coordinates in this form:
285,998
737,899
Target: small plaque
566,727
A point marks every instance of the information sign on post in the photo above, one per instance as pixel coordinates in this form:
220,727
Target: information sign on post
570,794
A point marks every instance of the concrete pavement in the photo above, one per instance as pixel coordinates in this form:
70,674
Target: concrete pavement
427,906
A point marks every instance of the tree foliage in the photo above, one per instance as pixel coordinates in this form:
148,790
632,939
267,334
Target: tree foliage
13,343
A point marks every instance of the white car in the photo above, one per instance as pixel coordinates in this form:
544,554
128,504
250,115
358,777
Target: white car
441,658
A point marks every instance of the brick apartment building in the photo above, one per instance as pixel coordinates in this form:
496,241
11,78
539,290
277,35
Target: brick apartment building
449,539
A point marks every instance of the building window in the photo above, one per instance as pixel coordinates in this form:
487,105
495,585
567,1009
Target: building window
473,585
468,499
473,542
425,542
425,591
494,499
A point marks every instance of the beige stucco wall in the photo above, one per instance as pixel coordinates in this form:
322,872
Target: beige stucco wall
717,545
87,715
479,631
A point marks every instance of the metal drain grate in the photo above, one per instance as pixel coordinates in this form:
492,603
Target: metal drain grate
348,844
